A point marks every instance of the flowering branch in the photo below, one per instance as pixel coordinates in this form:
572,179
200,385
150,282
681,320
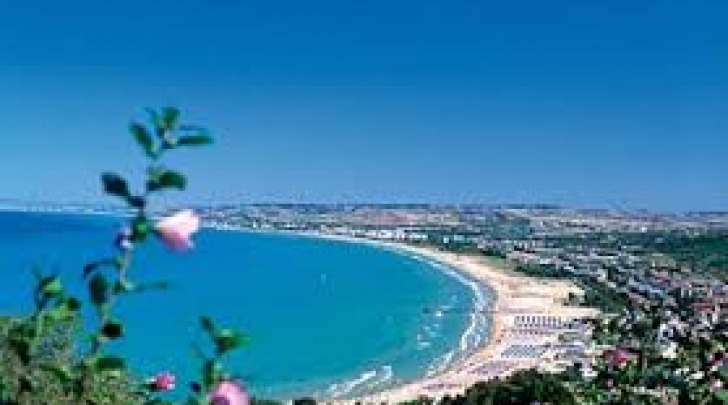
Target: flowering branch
108,280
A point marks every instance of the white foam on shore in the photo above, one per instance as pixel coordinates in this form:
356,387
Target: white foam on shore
474,334
366,381
440,364
478,328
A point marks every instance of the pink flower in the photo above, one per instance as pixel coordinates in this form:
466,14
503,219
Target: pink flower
176,230
617,357
163,381
229,393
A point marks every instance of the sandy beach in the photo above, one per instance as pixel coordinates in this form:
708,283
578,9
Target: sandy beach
528,315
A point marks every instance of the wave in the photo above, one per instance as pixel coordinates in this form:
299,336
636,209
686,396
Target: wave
478,328
441,364
365,382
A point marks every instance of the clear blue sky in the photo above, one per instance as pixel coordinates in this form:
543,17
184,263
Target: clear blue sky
586,103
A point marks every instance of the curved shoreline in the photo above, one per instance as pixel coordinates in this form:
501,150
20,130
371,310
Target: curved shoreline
472,283
478,288
439,261
446,262
513,296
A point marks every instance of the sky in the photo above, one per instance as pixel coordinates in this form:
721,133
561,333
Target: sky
580,103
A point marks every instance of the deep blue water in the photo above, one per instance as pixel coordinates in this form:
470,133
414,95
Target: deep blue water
324,316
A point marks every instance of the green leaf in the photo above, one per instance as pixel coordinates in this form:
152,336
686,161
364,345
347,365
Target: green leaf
72,304
98,288
124,286
66,309
211,372
167,179
51,286
194,140
112,330
115,185
62,373
169,117
173,179
140,228
143,138
227,340
90,268
110,363
137,201
153,116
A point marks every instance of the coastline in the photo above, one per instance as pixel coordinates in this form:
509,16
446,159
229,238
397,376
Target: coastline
514,296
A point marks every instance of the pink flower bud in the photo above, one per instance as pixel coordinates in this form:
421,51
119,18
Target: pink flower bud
229,393
163,381
176,230
617,357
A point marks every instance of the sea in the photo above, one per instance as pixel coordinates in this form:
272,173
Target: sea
325,318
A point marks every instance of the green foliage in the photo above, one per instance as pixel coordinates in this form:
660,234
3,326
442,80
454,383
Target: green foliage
165,132
168,118
49,374
523,387
112,330
50,286
115,185
98,288
224,340
161,178
143,138
707,253
194,140
650,377
227,340
110,363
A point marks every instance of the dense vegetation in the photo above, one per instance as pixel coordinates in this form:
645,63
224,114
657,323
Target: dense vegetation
523,387
705,253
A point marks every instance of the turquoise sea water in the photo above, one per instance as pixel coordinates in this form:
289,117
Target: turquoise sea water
325,317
